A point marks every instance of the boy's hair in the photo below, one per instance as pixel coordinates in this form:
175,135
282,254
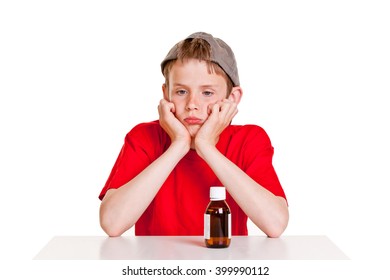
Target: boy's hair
202,46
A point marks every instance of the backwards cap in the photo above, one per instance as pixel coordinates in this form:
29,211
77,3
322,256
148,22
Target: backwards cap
221,54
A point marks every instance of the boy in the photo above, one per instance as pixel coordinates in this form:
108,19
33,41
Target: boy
160,182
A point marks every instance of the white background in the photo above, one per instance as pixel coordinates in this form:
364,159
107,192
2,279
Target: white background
76,76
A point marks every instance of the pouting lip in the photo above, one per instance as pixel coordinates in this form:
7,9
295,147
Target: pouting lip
193,120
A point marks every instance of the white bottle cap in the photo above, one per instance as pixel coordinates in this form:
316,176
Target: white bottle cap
217,193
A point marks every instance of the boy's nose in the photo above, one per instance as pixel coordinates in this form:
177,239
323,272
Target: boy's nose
192,103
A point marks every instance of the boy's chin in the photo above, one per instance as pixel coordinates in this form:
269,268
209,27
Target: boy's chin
193,130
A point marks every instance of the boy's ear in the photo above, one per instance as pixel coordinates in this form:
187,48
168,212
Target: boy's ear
165,92
235,95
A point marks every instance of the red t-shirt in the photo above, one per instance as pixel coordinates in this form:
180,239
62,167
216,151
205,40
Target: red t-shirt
179,205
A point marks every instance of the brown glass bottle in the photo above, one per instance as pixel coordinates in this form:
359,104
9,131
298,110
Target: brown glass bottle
217,220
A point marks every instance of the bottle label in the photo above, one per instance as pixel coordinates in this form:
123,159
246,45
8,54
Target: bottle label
230,226
207,226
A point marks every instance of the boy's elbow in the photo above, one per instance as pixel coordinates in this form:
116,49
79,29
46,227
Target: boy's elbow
275,233
111,227
110,230
277,228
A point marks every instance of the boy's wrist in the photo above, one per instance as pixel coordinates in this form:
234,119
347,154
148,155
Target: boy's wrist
180,147
204,148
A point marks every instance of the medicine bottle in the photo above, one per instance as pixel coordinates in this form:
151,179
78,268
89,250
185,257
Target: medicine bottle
217,220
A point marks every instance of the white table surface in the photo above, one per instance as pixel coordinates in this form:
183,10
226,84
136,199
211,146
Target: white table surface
189,248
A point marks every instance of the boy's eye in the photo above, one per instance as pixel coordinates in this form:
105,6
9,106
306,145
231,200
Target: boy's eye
208,93
181,92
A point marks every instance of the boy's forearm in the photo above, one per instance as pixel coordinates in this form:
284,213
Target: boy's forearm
121,208
267,211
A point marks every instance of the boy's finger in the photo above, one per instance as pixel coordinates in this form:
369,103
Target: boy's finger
211,109
167,106
228,108
215,108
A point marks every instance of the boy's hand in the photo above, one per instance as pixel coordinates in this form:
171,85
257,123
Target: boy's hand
221,115
172,126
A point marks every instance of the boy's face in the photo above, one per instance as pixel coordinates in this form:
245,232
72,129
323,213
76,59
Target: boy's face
193,90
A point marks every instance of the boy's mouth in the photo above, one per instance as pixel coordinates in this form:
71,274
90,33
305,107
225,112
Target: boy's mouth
193,120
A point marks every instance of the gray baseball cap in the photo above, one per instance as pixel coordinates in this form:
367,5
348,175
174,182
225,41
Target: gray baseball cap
221,54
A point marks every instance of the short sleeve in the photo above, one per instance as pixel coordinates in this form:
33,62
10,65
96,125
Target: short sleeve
258,161
140,148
